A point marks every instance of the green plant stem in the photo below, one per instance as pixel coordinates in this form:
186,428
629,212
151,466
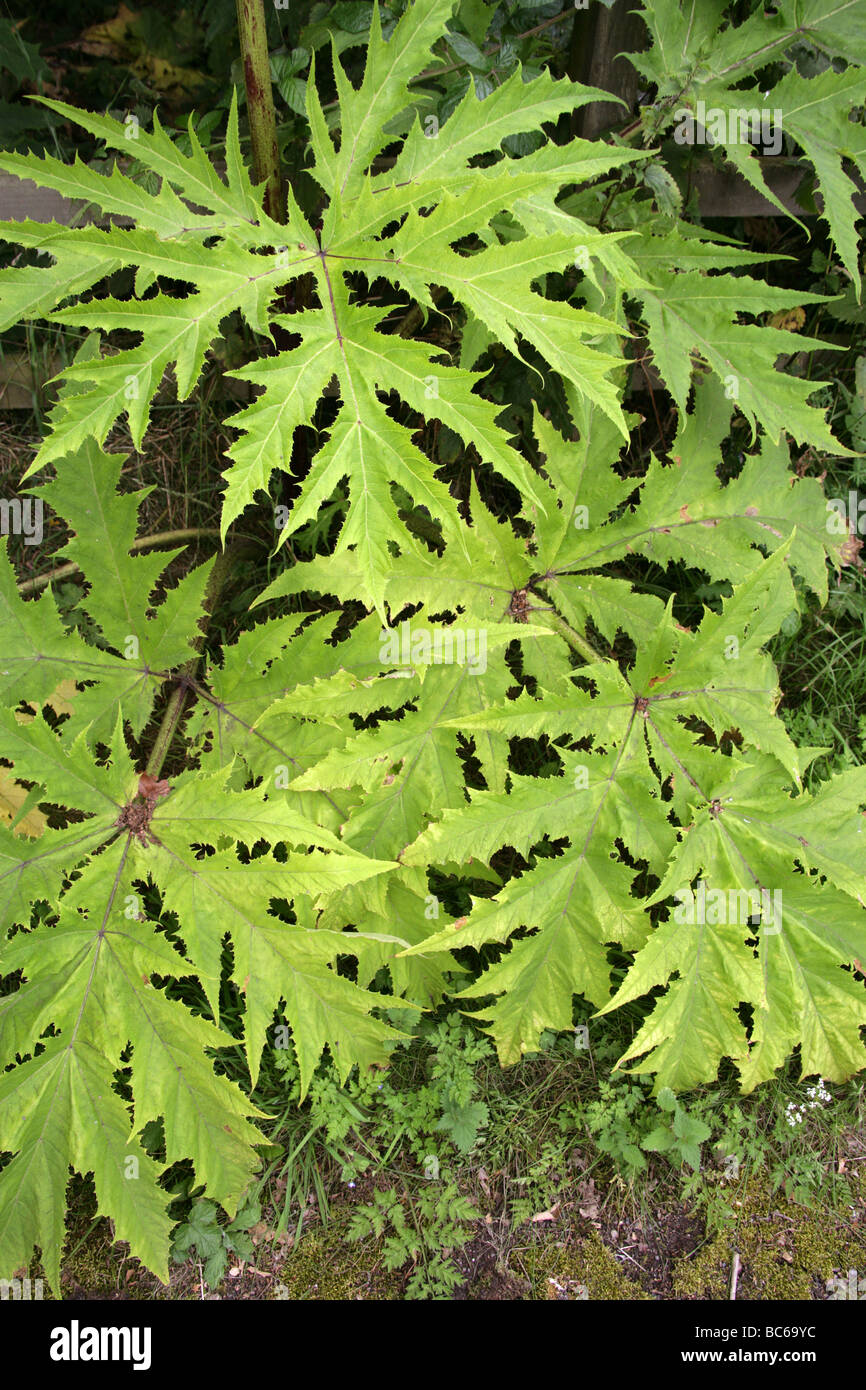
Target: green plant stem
574,639
143,543
221,571
266,169
260,105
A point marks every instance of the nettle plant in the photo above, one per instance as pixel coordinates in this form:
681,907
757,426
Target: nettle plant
491,695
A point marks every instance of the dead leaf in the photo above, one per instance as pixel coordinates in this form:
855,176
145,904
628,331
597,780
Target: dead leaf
546,1215
791,320
150,788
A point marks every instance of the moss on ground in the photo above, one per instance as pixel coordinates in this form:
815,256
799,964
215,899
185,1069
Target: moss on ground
324,1265
94,1268
787,1251
585,1268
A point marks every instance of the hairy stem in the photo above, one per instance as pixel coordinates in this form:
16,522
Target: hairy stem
143,543
547,618
266,169
260,105
225,563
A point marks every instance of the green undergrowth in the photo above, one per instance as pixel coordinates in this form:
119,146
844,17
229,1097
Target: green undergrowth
445,1178
538,1174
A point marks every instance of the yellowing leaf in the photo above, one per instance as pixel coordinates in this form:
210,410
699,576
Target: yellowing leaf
12,798
60,701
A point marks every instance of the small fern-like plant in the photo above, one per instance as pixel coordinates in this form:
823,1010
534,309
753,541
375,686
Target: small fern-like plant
340,760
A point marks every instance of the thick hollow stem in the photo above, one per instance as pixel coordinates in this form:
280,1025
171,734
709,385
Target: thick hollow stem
223,566
575,641
260,105
27,586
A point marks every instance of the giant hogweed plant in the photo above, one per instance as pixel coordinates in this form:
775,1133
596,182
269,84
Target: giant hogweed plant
335,764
